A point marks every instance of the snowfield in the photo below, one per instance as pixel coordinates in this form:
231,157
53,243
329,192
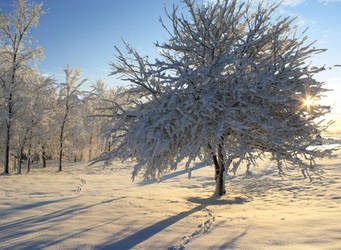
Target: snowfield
98,207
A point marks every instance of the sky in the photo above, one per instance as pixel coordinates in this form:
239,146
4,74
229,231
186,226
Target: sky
83,33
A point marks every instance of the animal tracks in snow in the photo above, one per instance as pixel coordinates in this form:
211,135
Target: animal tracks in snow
202,228
80,185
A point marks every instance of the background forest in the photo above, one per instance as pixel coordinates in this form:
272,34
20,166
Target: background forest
42,118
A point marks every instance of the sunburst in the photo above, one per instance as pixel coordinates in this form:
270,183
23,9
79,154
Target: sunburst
308,101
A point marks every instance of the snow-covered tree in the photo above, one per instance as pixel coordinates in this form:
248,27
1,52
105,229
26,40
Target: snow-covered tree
15,42
92,124
37,90
68,104
230,86
44,98
108,101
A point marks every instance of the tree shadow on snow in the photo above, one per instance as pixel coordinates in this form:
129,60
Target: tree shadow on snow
146,233
13,210
231,243
213,200
39,223
175,174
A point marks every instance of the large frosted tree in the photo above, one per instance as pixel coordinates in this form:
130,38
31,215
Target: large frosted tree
16,52
230,86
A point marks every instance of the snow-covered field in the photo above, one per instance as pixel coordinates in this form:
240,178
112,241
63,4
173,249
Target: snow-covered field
97,207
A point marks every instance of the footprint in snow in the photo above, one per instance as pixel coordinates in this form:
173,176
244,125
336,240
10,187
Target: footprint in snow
80,186
204,227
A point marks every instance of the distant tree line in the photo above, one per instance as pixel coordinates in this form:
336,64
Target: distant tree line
41,118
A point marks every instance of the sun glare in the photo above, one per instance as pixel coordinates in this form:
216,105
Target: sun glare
308,102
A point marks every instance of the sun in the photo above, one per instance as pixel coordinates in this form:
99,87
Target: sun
308,101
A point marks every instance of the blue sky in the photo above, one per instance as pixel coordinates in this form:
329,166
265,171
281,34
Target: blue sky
83,33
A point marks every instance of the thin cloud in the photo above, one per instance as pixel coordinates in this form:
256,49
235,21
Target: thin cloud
290,3
329,1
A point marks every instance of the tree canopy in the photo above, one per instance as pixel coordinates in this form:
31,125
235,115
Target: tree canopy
230,85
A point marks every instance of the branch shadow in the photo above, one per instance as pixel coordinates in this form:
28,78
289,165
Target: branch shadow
175,174
213,200
146,233
230,244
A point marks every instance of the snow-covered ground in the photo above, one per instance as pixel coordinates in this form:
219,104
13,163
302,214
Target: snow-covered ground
97,207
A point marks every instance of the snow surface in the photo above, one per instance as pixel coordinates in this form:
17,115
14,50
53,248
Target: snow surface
97,207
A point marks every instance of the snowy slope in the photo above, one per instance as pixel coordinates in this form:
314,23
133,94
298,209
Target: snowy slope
99,207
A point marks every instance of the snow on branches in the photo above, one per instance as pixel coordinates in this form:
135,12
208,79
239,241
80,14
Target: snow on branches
229,86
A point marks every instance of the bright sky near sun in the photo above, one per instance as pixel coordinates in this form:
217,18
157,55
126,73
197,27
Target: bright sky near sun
83,33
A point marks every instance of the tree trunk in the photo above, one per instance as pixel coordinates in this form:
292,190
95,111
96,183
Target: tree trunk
29,157
90,147
6,163
29,164
44,160
219,173
109,146
61,139
20,158
8,135
10,114
220,169
43,156
60,156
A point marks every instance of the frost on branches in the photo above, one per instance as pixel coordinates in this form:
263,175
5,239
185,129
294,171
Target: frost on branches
15,55
230,87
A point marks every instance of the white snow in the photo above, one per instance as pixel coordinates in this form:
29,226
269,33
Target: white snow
97,207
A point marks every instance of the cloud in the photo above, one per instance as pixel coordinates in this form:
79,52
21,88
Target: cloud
329,1
292,3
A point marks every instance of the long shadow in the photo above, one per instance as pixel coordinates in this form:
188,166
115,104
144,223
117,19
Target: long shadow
28,225
11,210
73,235
148,232
47,243
175,174
144,234
55,216
231,243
